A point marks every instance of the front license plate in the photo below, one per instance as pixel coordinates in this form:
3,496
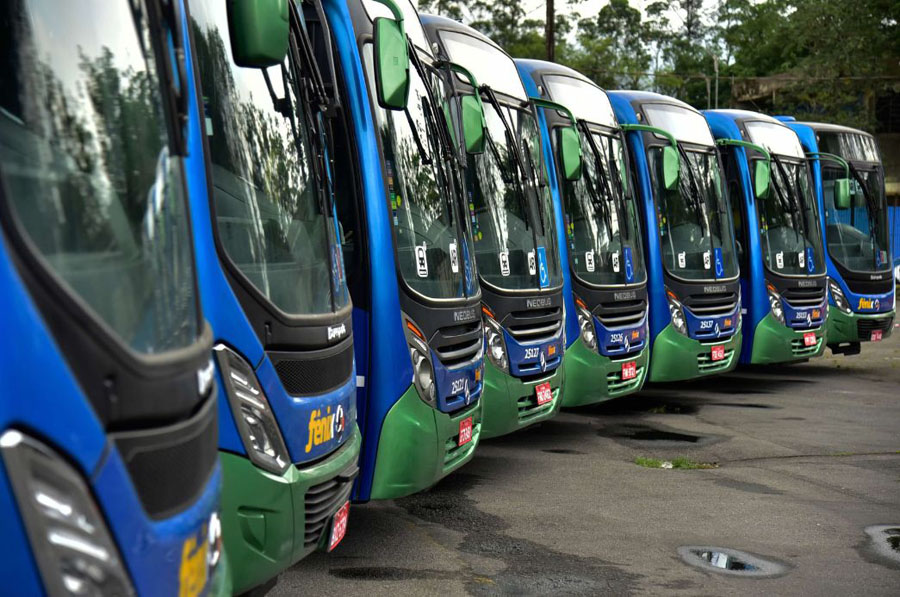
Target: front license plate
629,370
809,339
876,335
544,393
718,352
339,526
465,431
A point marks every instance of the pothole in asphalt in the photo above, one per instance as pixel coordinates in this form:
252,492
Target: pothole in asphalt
643,435
886,539
731,562
561,451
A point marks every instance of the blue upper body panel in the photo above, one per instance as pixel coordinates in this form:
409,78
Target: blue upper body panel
754,294
383,362
859,303
231,327
659,306
526,68
40,396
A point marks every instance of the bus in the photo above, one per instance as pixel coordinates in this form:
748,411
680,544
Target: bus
599,235
692,267
778,235
406,245
273,286
109,477
854,216
510,209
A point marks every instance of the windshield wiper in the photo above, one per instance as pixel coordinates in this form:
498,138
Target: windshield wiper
795,203
605,175
694,198
871,206
511,148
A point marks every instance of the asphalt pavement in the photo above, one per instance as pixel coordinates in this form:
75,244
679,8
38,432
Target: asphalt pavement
797,461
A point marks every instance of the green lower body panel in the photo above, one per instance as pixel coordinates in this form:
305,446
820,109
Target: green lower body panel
264,516
220,585
419,445
843,327
677,357
592,377
774,342
511,404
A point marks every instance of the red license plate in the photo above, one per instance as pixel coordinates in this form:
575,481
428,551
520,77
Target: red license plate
465,431
339,526
544,393
876,335
718,352
809,339
629,370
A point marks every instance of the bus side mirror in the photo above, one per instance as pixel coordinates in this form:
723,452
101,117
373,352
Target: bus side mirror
761,179
671,167
842,193
391,64
259,32
570,153
473,124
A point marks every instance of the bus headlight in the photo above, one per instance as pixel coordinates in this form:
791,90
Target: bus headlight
496,345
676,313
586,325
775,305
253,416
837,296
423,373
69,538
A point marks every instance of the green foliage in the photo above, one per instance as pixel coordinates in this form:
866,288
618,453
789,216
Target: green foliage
676,463
822,59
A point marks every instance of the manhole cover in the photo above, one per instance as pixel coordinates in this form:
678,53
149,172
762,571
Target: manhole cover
730,561
886,538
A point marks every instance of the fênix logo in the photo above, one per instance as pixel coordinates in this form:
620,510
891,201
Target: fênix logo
325,427
868,304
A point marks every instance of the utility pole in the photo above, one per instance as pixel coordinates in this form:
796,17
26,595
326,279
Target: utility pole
550,31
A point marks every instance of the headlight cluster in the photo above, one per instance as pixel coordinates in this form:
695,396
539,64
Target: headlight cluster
496,344
423,370
775,304
676,313
254,418
586,325
70,540
837,296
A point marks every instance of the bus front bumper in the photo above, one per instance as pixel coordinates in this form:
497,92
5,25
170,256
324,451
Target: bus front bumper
592,377
774,342
676,357
264,516
510,404
419,445
852,328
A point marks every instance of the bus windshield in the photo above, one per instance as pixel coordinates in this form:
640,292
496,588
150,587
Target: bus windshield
85,166
510,205
432,250
602,227
857,237
696,235
274,219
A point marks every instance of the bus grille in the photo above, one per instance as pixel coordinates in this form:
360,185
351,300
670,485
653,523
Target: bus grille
865,327
712,305
528,407
539,325
802,298
458,344
615,385
322,501
799,349
706,365
626,313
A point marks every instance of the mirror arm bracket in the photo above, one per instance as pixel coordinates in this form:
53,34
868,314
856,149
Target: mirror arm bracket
650,129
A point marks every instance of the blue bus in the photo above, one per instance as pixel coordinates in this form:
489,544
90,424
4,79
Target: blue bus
600,240
692,266
510,209
407,248
109,476
778,235
272,282
855,219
